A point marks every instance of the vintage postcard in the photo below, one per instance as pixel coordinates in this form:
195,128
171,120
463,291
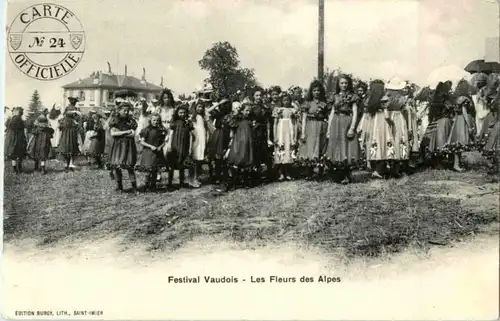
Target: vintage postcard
250,159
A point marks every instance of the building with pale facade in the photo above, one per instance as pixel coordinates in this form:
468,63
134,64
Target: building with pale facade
99,89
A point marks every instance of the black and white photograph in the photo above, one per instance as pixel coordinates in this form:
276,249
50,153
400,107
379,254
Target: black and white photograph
250,160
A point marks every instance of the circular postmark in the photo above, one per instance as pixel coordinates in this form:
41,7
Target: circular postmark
46,41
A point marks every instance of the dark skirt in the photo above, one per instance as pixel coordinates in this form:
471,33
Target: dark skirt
312,150
459,139
68,143
39,148
241,152
123,153
96,147
108,142
218,143
151,160
15,144
342,151
492,147
436,135
179,153
262,151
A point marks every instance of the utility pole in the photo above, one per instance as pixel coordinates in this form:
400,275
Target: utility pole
321,39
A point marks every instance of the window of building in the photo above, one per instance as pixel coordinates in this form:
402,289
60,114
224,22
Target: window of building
81,95
92,94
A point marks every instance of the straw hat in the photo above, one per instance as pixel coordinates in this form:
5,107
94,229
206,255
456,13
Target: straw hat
395,84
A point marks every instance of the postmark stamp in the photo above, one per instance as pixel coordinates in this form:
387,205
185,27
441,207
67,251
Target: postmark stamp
46,41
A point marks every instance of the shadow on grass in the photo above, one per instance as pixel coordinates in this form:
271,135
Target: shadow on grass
367,218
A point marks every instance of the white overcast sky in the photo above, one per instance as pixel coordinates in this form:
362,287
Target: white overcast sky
278,38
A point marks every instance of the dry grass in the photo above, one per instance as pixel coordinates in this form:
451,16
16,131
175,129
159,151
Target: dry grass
367,218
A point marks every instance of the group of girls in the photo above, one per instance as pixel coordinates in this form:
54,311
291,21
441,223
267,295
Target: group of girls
247,139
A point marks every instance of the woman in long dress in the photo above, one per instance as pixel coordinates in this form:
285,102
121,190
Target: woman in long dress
376,134
491,131
313,131
343,150
365,124
398,114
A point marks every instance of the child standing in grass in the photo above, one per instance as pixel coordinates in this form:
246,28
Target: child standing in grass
181,131
69,143
152,161
123,154
97,140
200,131
219,140
15,140
285,136
240,155
40,148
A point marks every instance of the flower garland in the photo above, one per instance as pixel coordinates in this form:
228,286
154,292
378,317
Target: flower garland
320,114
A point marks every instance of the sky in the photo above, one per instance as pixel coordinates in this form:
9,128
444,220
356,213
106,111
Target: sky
278,38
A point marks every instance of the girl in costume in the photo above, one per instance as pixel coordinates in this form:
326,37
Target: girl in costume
260,116
343,151
40,148
376,134
218,143
240,155
152,138
181,132
97,141
15,140
285,136
313,132
69,142
397,117
123,153
198,148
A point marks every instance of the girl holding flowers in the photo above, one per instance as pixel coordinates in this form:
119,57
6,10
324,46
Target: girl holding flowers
314,113
285,136
343,151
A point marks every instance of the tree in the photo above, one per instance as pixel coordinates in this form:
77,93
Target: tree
225,73
35,104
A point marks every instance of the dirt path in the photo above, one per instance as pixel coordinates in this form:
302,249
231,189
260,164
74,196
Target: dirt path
459,282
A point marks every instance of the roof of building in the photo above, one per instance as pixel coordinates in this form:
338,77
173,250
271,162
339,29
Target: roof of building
112,81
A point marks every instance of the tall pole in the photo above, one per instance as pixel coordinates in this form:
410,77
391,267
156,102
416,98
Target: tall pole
321,39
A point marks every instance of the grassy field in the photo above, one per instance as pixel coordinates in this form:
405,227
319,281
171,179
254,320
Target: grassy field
366,218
